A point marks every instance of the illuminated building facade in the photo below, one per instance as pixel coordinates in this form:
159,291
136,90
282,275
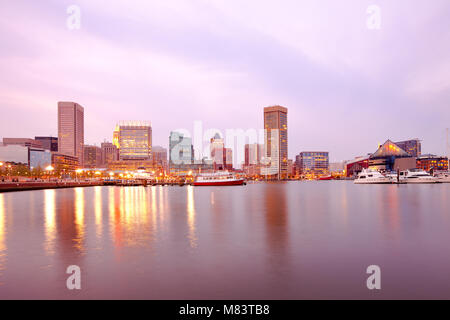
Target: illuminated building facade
276,141
64,162
313,163
134,140
132,165
384,158
71,130
412,147
430,162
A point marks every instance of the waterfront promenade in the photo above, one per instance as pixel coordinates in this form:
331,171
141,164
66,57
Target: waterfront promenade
31,185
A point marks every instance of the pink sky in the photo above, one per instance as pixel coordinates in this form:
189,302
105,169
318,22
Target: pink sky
347,87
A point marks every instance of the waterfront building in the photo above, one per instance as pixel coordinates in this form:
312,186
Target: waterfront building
337,167
134,140
48,143
71,130
159,156
355,166
276,142
222,157
133,165
384,159
24,142
109,153
412,147
28,156
313,164
92,157
65,163
253,154
430,162
181,151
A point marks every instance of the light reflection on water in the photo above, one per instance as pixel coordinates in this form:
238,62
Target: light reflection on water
266,240
2,236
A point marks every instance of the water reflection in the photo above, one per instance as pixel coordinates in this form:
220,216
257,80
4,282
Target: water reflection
129,218
79,218
191,217
98,210
50,220
276,216
2,235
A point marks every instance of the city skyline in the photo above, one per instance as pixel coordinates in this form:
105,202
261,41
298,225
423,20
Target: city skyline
328,69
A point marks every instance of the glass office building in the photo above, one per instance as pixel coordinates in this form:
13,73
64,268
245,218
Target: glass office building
313,163
39,158
134,140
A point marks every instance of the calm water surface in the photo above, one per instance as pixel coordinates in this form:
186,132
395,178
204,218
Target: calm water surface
289,240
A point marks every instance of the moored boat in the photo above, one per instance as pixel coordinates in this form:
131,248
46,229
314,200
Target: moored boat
417,176
443,177
369,176
223,178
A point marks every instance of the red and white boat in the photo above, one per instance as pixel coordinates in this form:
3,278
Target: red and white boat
223,178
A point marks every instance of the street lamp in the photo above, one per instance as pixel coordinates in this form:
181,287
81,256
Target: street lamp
78,171
49,170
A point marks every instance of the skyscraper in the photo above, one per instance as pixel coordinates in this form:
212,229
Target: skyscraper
134,140
276,141
71,129
253,152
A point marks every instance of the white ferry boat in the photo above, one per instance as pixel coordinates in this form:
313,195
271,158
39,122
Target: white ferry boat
369,176
221,178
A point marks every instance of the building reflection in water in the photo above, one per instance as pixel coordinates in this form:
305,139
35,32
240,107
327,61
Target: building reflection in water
114,205
276,222
129,219
98,211
191,217
2,235
79,218
50,220
389,210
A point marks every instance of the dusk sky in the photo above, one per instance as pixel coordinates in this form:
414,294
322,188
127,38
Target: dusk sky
347,87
